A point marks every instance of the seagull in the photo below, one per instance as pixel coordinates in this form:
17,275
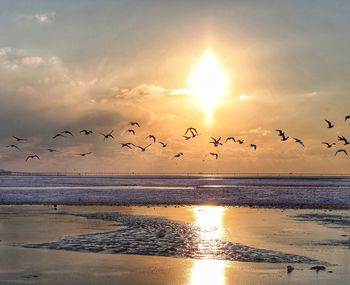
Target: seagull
163,144
329,145
283,137
109,135
134,124
67,133
86,132
143,148
32,157
152,137
216,142
127,145
14,146
240,141
131,131
52,150
84,154
19,139
347,117
344,139
253,146
214,154
230,138
58,135
330,125
192,130
298,141
341,150
178,155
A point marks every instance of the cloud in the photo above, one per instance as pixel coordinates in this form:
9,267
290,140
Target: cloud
245,97
39,18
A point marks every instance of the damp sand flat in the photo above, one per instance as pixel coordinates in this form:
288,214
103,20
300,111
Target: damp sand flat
218,240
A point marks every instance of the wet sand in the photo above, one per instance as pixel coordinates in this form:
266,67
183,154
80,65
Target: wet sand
277,230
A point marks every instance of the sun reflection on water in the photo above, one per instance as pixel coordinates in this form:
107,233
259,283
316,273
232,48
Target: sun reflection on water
209,220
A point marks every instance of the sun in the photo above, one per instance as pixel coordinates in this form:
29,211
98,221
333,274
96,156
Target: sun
208,83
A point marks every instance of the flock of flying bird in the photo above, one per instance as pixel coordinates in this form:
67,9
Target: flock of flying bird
190,133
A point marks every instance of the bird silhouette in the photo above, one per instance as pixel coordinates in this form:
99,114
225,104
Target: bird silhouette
134,124
86,132
341,150
343,139
284,137
143,148
240,141
328,145
127,145
280,132
347,117
329,124
253,146
192,130
215,142
298,141
187,137
163,144
230,138
84,154
19,139
14,146
178,155
151,137
58,135
32,157
131,131
67,133
214,154
106,136
52,150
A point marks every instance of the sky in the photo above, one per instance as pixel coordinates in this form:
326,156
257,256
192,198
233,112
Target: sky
72,65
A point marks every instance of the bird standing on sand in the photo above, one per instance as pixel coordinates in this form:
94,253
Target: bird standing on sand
106,136
14,146
32,157
329,124
298,141
341,150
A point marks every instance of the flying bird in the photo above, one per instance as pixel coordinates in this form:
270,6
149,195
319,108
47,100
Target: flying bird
192,130
280,132
214,154
341,150
240,141
187,137
106,136
67,133
329,124
127,145
347,117
283,137
343,139
298,141
151,137
134,124
58,135
86,132
19,139
328,145
253,146
52,150
131,131
143,148
84,154
216,142
163,144
178,155
230,138
14,146
32,157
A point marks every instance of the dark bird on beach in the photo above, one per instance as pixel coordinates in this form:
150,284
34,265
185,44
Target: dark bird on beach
329,124
298,141
58,135
52,150
163,144
192,130
283,137
151,137
86,132
67,133
143,148
328,145
131,131
216,142
19,139
106,136
127,145
347,117
32,157
341,150
240,141
14,146
343,139
178,155
84,154
230,138
134,124
253,146
214,154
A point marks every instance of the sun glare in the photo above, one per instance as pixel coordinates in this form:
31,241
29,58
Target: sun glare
208,83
